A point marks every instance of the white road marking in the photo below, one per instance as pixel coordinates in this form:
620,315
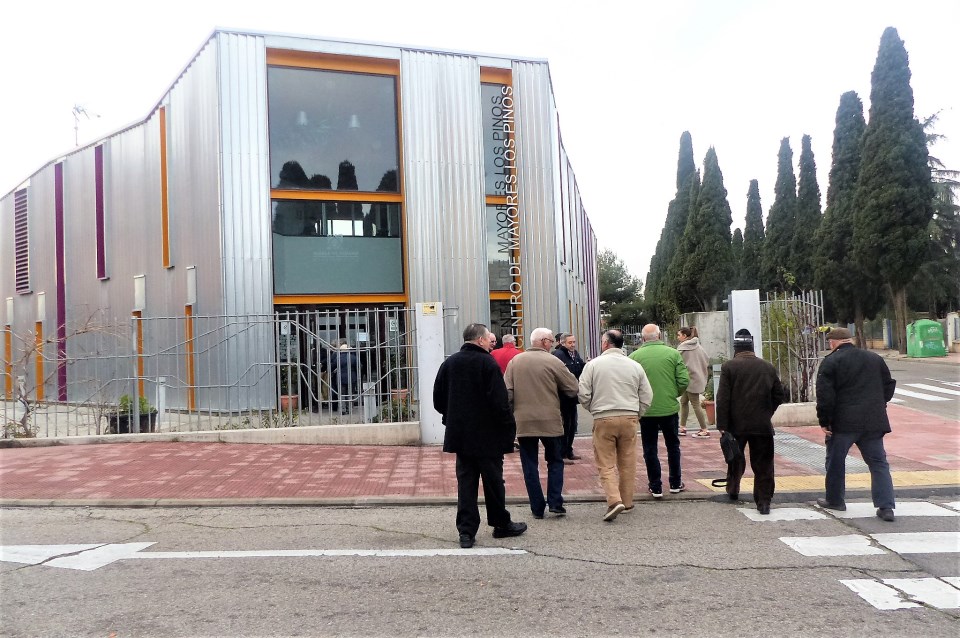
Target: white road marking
955,384
846,545
920,542
933,388
784,514
877,594
889,593
91,557
907,508
955,505
918,395
896,400
953,580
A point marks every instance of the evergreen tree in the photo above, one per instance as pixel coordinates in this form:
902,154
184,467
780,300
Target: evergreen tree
894,202
704,260
736,249
851,293
807,220
619,291
775,258
752,240
659,289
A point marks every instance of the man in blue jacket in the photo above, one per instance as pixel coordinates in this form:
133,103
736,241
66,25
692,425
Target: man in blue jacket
470,394
853,388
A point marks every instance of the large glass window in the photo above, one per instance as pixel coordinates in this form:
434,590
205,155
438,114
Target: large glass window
499,153
503,245
332,130
336,247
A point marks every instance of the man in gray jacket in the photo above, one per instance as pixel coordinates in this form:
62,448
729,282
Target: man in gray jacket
616,391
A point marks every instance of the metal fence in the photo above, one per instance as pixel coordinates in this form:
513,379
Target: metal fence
792,341
191,373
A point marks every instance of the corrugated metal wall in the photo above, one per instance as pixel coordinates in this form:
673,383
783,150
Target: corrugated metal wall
246,235
443,186
537,152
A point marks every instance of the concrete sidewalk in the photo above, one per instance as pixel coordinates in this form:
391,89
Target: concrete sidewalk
924,451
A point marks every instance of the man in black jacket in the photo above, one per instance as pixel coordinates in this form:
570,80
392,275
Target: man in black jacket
470,394
853,388
567,353
749,393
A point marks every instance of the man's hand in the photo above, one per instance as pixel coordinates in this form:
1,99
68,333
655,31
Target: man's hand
826,431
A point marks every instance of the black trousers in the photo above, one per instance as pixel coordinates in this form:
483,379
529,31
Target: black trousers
568,410
470,469
761,462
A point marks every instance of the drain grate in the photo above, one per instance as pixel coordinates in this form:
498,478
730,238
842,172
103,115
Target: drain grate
810,454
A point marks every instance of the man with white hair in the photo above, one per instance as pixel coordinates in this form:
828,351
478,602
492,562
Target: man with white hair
853,388
535,380
669,378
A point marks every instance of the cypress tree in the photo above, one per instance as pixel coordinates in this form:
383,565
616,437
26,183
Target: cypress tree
659,290
775,258
894,201
752,240
705,271
852,293
736,249
807,220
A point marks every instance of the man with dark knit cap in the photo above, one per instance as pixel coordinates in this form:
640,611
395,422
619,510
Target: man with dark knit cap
853,388
749,393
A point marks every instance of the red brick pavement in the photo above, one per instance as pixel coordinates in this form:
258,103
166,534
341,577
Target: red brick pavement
243,472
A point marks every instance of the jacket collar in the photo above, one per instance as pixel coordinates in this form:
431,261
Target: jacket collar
613,352
658,342
745,354
472,347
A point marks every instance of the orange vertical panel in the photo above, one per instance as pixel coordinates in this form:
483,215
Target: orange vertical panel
38,361
191,371
164,197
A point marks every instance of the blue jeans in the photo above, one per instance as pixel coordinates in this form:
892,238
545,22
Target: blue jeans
871,449
530,462
650,428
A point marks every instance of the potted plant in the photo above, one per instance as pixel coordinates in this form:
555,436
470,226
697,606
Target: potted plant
708,403
288,379
119,421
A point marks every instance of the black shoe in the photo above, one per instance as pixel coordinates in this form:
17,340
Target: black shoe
466,541
735,496
559,510
513,529
886,514
574,457
539,515
763,508
827,505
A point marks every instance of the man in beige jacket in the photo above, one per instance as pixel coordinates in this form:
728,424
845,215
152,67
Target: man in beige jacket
615,390
535,379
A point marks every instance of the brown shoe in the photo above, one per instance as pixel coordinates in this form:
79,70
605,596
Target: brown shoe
568,461
613,511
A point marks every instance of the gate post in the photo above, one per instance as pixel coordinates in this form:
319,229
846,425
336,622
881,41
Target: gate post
745,313
429,358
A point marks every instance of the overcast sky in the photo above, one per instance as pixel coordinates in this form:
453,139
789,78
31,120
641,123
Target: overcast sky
629,78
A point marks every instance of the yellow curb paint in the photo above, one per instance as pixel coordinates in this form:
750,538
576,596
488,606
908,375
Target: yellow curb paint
815,482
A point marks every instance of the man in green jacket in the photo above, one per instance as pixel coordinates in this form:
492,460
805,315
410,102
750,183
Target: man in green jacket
669,378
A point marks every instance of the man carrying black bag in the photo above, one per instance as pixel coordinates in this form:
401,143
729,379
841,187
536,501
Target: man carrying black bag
749,393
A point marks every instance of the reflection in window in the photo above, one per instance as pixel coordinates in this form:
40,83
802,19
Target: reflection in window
502,241
305,218
506,318
330,125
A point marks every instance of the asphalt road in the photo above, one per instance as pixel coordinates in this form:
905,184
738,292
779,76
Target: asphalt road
930,387
692,568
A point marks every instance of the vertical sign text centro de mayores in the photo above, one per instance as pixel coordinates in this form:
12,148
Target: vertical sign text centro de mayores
508,215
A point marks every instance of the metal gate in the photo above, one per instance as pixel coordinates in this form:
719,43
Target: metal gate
792,340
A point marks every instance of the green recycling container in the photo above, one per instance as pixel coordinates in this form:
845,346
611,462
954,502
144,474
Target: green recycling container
925,339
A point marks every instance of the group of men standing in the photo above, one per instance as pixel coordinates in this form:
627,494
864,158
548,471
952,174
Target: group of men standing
488,401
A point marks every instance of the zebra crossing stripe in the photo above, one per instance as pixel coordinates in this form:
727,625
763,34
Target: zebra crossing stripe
890,593
920,542
857,545
933,388
846,545
896,400
908,508
918,395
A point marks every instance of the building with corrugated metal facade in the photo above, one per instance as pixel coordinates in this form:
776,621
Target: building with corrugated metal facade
288,173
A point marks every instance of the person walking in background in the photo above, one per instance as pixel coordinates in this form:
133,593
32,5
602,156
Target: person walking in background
616,392
507,352
698,366
535,380
669,378
567,353
749,393
344,377
853,389
470,394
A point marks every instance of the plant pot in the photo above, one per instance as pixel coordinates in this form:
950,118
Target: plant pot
289,402
711,409
120,423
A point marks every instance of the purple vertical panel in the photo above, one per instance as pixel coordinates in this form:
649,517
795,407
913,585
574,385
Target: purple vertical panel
101,254
61,286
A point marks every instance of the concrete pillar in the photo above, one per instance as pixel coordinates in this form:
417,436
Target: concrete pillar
745,313
429,358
